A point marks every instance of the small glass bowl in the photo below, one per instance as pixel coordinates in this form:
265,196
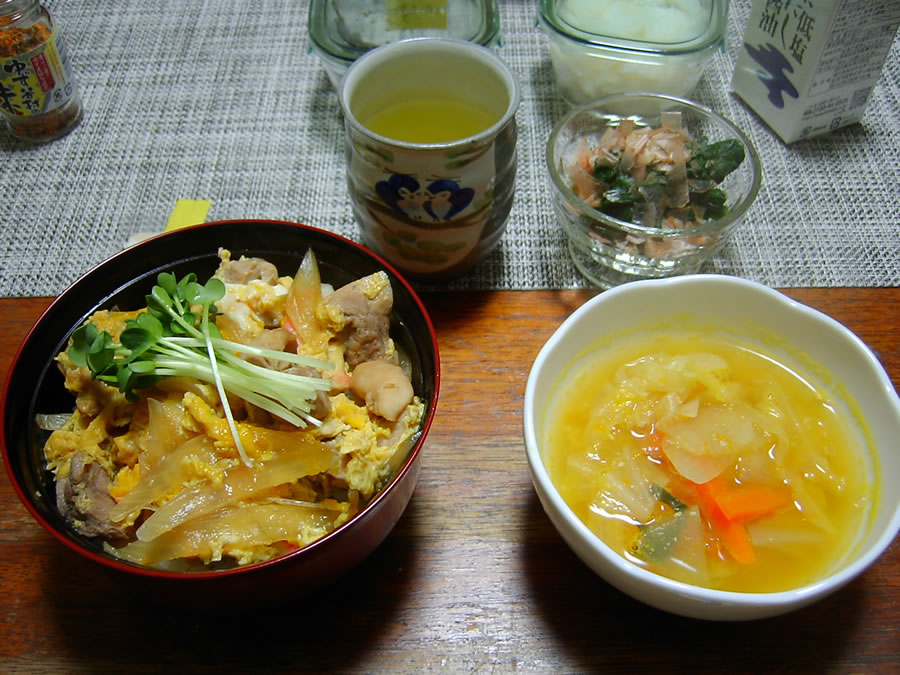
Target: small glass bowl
340,31
599,49
609,251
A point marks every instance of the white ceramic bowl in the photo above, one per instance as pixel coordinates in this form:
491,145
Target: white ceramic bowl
788,330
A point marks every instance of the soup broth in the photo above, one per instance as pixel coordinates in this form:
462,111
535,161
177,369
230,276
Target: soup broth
708,462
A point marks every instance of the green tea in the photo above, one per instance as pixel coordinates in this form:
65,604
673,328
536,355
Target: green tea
433,118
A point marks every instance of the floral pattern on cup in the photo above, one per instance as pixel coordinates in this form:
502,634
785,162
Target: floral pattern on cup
430,217
439,201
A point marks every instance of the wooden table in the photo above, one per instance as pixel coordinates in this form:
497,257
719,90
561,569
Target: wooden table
473,579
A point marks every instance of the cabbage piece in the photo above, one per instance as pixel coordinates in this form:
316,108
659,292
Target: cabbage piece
243,526
581,475
808,500
307,457
626,488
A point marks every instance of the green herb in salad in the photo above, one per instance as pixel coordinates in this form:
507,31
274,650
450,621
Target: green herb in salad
655,176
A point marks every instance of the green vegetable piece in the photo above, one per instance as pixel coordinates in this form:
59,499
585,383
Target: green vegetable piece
605,174
654,541
621,191
168,282
715,161
101,353
159,298
82,339
141,334
196,294
716,197
667,497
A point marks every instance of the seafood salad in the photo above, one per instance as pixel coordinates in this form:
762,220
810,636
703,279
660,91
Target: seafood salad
230,422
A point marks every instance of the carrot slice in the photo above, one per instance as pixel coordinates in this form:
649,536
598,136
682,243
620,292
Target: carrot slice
749,503
732,533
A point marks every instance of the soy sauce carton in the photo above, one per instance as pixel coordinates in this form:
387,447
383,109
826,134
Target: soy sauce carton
807,67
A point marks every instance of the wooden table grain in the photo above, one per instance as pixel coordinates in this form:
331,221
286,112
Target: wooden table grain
473,579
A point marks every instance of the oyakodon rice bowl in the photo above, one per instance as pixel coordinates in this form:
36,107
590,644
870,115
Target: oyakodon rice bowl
308,464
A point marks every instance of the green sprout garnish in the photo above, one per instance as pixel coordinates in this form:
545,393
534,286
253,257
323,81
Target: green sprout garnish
177,337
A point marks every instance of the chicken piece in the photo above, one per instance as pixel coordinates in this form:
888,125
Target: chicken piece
276,339
366,306
247,269
383,386
83,499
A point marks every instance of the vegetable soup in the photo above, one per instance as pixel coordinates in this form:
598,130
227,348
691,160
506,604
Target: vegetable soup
708,462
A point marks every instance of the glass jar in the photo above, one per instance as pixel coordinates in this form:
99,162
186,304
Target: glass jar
39,98
604,47
340,31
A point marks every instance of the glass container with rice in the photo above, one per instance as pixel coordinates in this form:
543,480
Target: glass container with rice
603,47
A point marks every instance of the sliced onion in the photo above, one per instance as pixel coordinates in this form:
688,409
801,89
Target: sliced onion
52,421
249,524
305,457
302,302
168,476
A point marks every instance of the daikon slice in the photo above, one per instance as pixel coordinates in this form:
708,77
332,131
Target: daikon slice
700,448
167,477
308,457
243,526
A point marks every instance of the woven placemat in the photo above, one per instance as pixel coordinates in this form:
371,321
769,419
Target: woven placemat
222,100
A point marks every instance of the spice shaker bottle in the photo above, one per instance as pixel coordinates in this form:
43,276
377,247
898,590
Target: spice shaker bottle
39,98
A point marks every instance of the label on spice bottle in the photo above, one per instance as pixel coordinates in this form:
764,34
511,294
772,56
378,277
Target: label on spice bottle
38,81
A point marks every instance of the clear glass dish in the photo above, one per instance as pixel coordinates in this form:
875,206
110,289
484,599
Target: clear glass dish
609,251
603,47
340,31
